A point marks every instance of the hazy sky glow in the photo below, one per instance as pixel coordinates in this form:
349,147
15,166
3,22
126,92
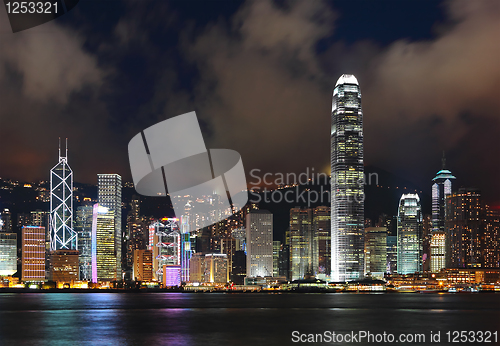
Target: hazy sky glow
260,76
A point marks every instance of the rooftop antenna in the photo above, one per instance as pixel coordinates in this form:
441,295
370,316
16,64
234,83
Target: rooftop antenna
443,161
59,146
67,147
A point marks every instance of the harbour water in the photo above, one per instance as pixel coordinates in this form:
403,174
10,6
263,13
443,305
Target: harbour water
236,319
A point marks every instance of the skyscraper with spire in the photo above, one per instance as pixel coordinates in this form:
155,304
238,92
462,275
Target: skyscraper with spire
347,193
62,234
441,188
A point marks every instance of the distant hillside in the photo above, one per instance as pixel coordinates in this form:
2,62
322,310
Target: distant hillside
380,199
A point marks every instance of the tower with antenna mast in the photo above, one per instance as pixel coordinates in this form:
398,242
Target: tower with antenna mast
441,188
62,234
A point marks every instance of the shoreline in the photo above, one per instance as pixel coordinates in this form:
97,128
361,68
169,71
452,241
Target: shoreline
139,291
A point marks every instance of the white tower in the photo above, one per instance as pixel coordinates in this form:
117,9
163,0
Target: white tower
62,235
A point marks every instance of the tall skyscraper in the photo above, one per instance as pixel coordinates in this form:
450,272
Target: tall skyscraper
62,235
33,253
83,227
110,196
259,243
165,243
409,234
441,189
301,243
322,242
103,244
347,193
136,231
8,253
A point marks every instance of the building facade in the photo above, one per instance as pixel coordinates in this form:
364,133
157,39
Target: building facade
64,266
216,268
110,196
438,251
259,240
441,189
392,254
322,242
409,234
239,269
466,228
197,268
301,243
376,251
142,265
276,257
8,253
347,191
33,253
103,244
83,227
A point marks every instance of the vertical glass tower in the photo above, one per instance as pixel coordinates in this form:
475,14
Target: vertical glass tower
8,253
62,235
110,196
103,252
321,242
409,234
259,243
300,242
83,227
347,194
441,189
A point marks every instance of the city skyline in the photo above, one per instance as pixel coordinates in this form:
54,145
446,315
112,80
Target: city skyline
386,232
347,244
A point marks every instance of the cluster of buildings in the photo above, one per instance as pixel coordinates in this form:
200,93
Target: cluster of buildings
462,232
67,247
88,246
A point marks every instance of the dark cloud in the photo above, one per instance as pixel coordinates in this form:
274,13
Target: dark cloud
416,101
266,92
49,88
260,85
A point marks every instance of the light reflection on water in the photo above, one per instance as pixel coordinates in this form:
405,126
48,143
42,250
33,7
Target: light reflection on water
233,319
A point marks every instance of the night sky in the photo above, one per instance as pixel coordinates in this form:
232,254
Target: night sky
260,75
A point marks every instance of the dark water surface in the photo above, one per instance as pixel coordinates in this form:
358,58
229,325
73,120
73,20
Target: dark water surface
233,319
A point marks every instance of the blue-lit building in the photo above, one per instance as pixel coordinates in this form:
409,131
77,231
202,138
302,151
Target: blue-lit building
8,253
83,227
392,254
409,259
